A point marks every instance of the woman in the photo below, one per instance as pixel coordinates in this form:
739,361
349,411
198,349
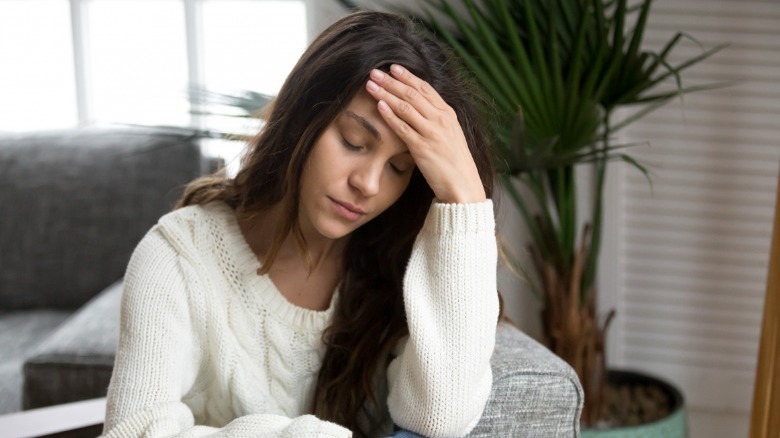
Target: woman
344,280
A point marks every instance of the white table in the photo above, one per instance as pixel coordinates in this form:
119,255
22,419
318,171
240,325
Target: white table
53,419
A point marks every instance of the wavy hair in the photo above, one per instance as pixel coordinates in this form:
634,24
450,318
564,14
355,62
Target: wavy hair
369,317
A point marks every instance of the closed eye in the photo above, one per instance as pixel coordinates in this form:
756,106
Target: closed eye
400,169
351,146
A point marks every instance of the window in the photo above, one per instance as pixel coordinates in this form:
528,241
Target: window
690,263
37,82
136,61
67,62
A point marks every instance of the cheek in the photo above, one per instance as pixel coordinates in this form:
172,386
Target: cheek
319,172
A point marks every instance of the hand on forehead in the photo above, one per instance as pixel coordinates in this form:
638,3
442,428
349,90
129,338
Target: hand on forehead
431,130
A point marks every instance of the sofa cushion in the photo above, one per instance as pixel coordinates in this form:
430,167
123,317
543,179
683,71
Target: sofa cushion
75,361
19,333
75,203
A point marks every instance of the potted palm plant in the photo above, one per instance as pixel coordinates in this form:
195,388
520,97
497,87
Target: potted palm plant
557,72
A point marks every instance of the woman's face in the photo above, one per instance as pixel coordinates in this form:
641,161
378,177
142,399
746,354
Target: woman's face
357,168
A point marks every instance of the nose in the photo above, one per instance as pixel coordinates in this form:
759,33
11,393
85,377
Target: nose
366,177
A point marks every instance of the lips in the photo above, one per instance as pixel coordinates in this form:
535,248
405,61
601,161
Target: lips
347,210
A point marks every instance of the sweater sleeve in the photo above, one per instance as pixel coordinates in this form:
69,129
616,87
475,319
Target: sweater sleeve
440,382
158,358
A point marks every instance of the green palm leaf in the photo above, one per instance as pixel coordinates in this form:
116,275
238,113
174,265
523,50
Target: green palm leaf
558,69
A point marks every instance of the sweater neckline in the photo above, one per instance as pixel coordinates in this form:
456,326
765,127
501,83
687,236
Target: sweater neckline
261,288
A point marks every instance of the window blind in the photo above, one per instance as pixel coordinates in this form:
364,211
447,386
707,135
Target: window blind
692,252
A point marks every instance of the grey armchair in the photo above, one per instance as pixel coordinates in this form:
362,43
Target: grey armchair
74,205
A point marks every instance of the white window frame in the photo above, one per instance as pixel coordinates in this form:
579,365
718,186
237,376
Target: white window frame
318,14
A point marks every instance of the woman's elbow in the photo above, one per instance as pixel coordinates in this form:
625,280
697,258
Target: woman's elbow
450,413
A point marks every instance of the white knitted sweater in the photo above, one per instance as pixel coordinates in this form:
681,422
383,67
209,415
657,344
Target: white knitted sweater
208,347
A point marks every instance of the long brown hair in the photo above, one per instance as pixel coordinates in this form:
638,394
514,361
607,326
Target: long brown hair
369,317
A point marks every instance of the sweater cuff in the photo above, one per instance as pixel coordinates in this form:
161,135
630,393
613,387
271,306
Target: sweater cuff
472,217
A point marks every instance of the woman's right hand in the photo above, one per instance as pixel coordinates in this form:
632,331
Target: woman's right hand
431,131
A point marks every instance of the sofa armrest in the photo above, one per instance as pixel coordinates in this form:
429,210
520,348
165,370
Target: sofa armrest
535,393
76,360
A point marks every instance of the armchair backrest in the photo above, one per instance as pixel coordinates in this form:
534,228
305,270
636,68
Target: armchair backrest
74,203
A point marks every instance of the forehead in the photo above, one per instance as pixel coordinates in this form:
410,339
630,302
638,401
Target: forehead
363,106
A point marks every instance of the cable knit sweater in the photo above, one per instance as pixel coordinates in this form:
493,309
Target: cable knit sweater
208,347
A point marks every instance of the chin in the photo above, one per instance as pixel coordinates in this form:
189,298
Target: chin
336,230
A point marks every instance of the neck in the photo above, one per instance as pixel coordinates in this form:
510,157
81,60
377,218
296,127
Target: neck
322,251
259,231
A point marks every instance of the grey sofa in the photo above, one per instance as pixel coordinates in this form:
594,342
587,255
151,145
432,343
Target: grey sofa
74,205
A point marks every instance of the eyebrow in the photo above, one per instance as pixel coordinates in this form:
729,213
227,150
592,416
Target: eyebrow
365,123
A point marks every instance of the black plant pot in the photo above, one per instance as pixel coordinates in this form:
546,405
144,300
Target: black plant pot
673,425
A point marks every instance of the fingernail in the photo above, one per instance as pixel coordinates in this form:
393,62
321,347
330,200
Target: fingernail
383,106
372,86
397,69
377,75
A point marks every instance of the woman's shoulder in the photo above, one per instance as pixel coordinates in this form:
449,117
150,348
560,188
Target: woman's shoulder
189,228
193,215
193,219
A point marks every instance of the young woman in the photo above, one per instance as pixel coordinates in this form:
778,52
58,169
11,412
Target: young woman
344,282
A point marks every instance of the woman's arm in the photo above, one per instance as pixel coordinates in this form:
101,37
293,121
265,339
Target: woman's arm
441,381
159,356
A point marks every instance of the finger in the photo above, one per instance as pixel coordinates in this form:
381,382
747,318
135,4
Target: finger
426,90
405,92
405,132
401,108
